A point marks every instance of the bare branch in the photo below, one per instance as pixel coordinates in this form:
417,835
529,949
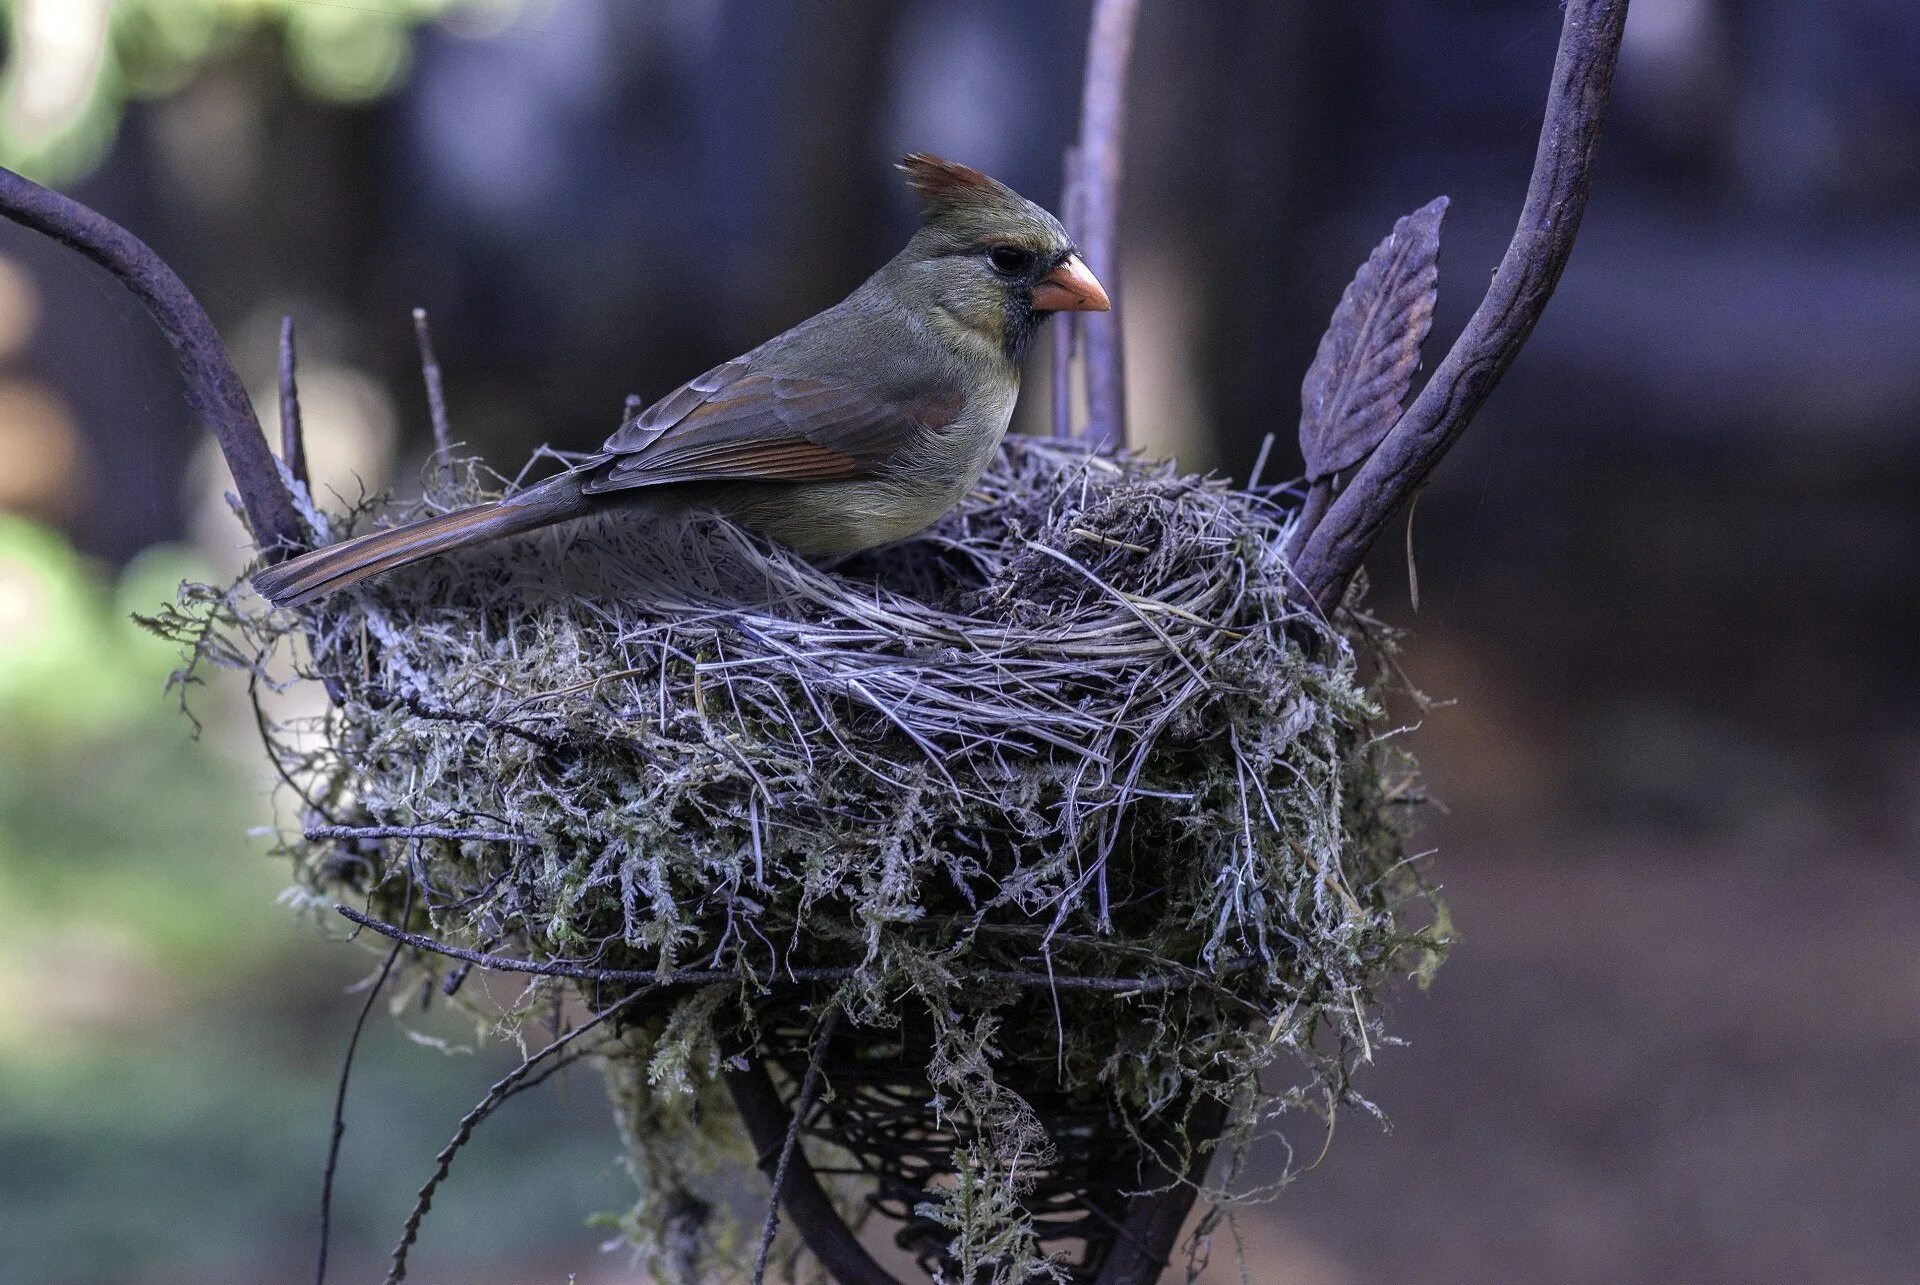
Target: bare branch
293,449
1065,333
317,832
645,978
339,1130
214,390
802,1103
820,1225
436,394
502,1089
1556,198
1096,167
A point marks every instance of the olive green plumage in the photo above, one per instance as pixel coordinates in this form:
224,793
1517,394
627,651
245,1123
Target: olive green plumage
856,428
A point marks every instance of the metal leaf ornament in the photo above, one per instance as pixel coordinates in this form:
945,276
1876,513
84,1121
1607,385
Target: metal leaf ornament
1357,386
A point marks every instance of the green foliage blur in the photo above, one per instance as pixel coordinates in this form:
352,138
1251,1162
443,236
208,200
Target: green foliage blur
73,65
169,1041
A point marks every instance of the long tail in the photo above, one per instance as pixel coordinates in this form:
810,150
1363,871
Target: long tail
313,575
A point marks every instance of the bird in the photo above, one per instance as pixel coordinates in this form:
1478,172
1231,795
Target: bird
857,428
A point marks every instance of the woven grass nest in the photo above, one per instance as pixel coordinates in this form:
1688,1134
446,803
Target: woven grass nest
1073,833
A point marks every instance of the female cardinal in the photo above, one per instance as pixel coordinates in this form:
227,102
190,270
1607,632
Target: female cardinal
859,426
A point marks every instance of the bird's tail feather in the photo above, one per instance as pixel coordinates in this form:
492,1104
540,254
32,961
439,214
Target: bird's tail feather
313,575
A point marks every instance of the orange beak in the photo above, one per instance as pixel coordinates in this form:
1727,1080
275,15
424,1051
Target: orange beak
1070,288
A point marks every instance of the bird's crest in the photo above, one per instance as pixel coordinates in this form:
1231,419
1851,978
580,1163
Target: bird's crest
944,185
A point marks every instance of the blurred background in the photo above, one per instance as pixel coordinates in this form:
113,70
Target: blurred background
1668,580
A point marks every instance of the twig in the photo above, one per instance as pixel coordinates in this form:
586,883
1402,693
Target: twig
802,1103
293,449
819,1223
214,389
1065,333
379,698
1103,104
1189,979
436,395
413,832
655,979
1531,267
1312,509
646,977
502,1089
339,1130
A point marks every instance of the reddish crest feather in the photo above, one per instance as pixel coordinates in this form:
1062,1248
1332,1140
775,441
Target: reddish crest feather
943,185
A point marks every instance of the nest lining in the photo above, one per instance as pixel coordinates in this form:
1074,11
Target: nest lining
1068,733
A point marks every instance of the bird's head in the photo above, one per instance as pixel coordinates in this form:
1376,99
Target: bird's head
986,259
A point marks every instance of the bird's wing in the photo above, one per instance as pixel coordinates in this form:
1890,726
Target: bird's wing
735,423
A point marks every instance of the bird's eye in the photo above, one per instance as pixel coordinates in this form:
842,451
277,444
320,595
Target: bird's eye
1010,259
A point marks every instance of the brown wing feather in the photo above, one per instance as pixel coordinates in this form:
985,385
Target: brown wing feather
645,428
735,424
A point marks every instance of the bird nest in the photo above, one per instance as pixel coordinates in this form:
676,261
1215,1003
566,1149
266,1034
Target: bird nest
1031,859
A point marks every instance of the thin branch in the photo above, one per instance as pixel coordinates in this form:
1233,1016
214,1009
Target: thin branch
317,832
436,394
293,449
379,698
1312,509
1065,333
1189,979
645,977
652,978
214,390
339,1130
502,1089
819,1223
1103,114
1556,198
802,1103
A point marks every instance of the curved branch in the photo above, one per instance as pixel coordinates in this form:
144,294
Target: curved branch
214,390
1528,273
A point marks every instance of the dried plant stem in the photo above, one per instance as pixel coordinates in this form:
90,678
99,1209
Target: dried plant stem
436,394
1064,332
1184,979
293,449
768,1123
1522,285
339,1130
647,978
502,1089
317,832
426,709
802,1103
